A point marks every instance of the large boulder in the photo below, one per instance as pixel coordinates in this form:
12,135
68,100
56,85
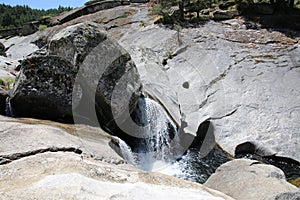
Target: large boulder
250,179
80,71
43,89
48,160
75,42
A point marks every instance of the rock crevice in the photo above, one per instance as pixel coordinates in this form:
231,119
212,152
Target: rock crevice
4,159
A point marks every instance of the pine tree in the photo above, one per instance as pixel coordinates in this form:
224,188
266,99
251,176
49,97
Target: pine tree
18,15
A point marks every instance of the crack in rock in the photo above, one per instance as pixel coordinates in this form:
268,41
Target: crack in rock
226,115
220,77
5,159
206,99
294,67
124,24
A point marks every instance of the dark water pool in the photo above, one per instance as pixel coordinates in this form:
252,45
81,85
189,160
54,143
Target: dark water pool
290,167
198,169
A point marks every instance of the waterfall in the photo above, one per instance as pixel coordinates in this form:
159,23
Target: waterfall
8,108
156,149
159,133
157,136
126,152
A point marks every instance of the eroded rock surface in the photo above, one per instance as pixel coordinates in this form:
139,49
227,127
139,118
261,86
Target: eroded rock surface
244,81
248,179
20,47
44,160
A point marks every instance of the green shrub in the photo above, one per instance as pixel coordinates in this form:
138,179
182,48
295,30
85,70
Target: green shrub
42,27
142,24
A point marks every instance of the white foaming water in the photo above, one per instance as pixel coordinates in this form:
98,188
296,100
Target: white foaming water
173,170
159,147
157,151
178,169
126,152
